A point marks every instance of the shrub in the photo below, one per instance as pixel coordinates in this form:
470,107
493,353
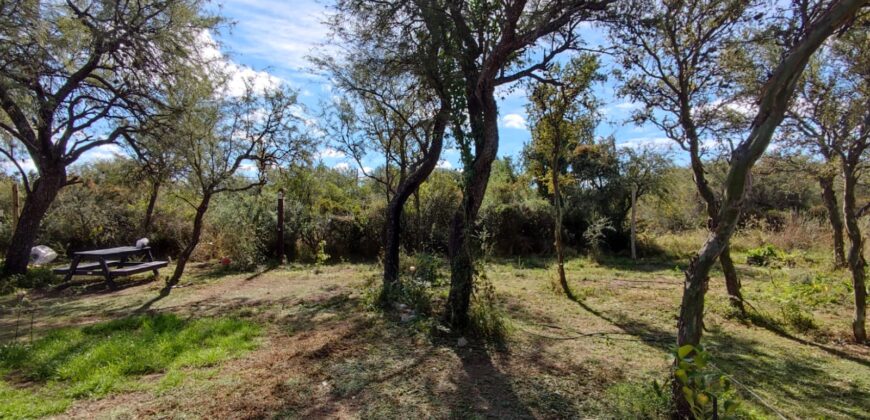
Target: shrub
763,256
796,317
703,389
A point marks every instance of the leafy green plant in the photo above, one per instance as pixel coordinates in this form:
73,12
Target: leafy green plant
321,257
796,317
637,400
763,256
708,393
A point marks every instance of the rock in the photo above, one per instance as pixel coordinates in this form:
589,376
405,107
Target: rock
462,342
408,316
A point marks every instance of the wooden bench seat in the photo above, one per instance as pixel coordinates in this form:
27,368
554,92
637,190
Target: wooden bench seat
86,268
135,268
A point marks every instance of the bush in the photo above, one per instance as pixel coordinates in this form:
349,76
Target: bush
763,256
797,318
35,278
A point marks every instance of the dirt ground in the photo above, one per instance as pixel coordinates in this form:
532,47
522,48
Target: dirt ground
323,355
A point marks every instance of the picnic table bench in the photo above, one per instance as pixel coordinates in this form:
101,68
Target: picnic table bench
111,263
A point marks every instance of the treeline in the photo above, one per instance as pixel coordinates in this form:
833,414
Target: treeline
341,213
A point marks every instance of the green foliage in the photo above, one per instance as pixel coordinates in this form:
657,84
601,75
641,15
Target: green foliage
796,317
97,360
636,400
763,256
487,319
706,391
35,278
321,257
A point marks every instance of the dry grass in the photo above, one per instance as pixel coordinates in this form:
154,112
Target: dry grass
325,355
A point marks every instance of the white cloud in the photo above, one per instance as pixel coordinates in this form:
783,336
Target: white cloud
341,166
514,121
641,142
240,75
330,153
107,152
278,32
627,105
445,164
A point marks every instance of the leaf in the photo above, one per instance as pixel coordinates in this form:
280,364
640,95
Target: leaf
684,351
681,376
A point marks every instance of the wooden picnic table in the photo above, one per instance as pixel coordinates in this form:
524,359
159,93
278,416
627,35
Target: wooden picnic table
111,263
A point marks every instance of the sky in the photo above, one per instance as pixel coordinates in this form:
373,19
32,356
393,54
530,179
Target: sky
272,40
276,37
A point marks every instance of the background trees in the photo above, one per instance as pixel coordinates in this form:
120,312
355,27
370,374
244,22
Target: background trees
229,143
76,76
492,44
562,116
673,65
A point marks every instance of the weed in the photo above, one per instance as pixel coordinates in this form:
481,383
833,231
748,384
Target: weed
636,400
796,317
763,256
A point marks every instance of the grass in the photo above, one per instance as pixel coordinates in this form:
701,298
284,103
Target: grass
326,353
94,361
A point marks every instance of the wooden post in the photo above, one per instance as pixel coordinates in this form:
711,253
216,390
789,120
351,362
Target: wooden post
15,204
281,226
634,221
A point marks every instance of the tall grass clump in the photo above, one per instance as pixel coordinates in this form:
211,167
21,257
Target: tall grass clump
93,361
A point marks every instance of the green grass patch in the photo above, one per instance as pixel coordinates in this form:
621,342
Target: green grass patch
93,361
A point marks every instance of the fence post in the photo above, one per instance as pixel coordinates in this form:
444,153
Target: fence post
633,221
281,226
15,204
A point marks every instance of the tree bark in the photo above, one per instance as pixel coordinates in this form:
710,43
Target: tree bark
732,282
857,264
184,257
773,102
36,205
407,186
483,113
829,198
149,211
557,231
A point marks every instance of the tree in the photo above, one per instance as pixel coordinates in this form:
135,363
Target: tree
492,43
75,76
397,105
672,53
810,28
562,117
228,143
834,119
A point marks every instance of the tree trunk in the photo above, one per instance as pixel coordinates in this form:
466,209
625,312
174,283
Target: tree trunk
732,282
483,113
36,205
773,102
829,198
184,257
856,262
557,232
408,186
149,211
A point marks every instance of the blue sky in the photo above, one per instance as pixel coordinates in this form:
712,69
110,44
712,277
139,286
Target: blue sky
275,37
271,40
